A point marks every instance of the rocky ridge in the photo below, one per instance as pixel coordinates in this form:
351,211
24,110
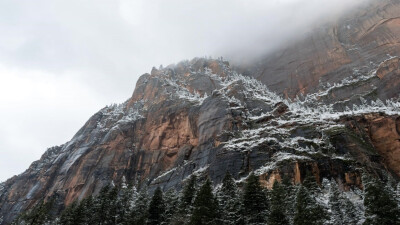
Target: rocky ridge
326,105
202,117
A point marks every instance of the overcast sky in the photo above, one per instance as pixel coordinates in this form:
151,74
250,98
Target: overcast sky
62,61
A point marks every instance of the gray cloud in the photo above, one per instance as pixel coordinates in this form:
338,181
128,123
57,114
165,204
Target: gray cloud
61,61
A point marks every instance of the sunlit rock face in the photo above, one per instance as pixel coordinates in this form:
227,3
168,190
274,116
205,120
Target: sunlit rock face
202,117
339,60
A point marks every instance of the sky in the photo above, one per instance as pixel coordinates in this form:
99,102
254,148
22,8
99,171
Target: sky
62,61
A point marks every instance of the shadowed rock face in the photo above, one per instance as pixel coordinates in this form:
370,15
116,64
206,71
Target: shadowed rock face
201,117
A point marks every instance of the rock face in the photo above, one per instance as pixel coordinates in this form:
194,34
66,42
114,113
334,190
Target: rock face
202,117
383,133
342,61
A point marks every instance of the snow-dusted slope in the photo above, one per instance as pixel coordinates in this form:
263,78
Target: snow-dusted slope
203,117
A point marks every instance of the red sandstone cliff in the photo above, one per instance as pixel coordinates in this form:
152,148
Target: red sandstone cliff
202,117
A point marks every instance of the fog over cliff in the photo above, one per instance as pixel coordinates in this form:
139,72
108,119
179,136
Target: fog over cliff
61,61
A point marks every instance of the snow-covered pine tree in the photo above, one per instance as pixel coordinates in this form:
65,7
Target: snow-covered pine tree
337,216
308,210
102,206
188,193
352,215
67,216
88,209
39,214
255,206
342,209
186,198
139,212
290,200
205,207
311,184
229,201
156,208
380,206
277,209
113,199
398,194
171,204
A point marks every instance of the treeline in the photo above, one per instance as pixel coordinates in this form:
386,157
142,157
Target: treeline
198,204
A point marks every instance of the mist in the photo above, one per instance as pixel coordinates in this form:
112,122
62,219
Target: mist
62,61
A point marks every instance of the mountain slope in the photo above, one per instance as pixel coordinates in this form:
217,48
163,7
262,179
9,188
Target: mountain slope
202,117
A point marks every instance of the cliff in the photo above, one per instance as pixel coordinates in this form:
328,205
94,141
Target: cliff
203,117
339,60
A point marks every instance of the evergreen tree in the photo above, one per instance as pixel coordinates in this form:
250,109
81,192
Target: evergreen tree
156,208
186,202
139,212
254,201
68,215
308,211
102,206
351,215
205,207
88,209
188,194
380,205
337,216
37,215
125,202
113,211
277,212
171,204
290,200
343,210
398,194
311,184
229,201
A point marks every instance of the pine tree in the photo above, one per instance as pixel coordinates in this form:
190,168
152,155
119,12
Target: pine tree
229,201
89,211
398,194
277,211
380,205
139,212
290,200
254,201
113,211
205,206
39,214
156,208
171,204
188,194
186,198
125,202
343,210
68,215
102,206
334,204
351,214
308,211
311,184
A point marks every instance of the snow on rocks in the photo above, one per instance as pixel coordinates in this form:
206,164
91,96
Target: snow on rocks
279,158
